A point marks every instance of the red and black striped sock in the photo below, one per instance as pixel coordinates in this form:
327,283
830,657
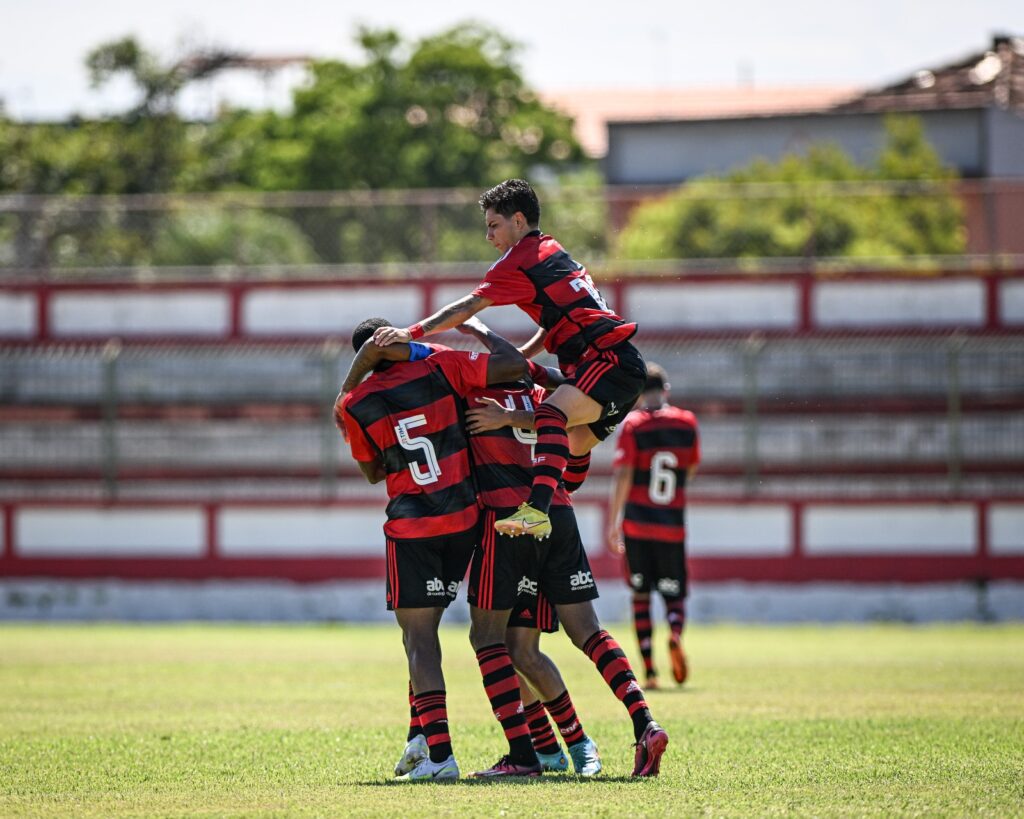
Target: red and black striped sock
611,661
543,736
549,455
576,470
563,712
415,729
676,611
642,624
502,687
432,706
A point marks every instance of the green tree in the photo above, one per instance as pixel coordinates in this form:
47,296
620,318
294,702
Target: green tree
783,209
447,111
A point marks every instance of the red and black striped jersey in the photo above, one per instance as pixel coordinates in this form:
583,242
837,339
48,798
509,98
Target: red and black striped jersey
660,445
503,458
544,281
410,417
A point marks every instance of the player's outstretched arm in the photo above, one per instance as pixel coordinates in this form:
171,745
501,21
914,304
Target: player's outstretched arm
368,357
444,319
535,344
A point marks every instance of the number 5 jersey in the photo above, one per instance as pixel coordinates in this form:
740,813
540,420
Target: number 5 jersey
410,418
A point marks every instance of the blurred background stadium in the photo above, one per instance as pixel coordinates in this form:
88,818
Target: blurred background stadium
833,276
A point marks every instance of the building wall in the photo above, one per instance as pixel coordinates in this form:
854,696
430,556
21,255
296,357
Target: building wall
671,152
1005,143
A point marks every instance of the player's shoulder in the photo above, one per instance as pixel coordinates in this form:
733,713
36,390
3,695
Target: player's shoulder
683,415
371,384
635,418
448,356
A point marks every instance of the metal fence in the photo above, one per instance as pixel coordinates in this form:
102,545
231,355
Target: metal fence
946,409
236,234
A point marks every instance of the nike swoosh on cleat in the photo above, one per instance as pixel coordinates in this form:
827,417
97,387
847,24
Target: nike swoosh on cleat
533,525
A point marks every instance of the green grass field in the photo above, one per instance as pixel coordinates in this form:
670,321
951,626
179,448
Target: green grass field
247,720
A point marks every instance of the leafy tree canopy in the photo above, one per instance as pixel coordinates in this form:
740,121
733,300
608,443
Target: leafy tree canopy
781,209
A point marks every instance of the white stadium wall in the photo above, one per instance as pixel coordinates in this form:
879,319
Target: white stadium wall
785,559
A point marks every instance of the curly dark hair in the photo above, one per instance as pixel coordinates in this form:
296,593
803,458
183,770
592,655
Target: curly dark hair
365,329
511,196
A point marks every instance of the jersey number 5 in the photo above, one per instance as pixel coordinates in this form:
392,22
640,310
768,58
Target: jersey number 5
662,488
421,476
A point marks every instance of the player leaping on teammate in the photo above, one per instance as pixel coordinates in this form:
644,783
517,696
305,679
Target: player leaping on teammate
604,372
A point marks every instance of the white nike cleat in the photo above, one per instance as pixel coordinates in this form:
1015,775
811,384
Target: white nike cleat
427,771
415,752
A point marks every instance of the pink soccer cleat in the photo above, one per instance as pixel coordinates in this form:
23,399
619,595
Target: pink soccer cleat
649,748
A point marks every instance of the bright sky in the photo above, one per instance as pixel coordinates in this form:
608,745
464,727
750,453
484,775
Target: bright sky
566,43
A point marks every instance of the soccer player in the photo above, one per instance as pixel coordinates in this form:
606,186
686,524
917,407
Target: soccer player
604,372
403,425
502,460
657,456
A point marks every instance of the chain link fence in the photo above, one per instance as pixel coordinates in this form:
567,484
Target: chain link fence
441,231
832,414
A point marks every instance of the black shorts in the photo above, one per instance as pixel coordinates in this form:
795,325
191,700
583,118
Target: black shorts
657,565
427,572
534,611
614,378
505,567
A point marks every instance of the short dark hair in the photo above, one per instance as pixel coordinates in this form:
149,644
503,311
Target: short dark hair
657,378
365,329
511,196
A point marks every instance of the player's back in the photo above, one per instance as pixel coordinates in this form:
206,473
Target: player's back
412,415
543,280
503,458
661,445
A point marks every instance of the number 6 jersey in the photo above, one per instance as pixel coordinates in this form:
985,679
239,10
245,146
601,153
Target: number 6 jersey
409,417
660,445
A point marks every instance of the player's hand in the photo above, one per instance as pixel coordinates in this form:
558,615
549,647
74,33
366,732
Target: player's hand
615,543
385,336
491,415
472,326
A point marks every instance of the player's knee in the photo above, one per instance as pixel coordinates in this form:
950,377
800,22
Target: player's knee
524,657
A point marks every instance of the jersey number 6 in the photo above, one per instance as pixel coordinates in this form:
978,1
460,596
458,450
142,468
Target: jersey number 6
662,488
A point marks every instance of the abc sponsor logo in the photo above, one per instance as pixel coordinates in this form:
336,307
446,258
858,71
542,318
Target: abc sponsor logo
453,588
667,585
435,587
527,586
581,580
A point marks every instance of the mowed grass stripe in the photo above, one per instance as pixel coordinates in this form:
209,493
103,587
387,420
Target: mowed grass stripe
108,720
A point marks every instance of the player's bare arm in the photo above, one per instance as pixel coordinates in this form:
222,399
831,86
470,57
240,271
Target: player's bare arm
444,319
368,357
493,415
622,480
535,345
373,471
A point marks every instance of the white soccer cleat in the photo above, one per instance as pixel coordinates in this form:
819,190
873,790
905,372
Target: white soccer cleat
427,771
415,752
